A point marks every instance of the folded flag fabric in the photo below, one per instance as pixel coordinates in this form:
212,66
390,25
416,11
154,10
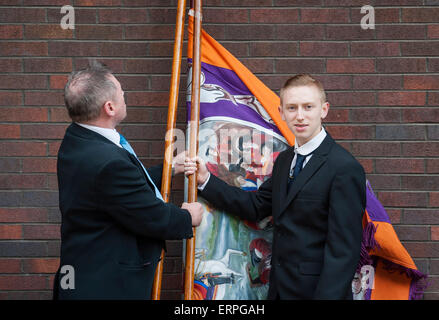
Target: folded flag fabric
241,134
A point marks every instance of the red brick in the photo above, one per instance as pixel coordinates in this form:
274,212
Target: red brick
48,65
325,49
422,249
58,82
216,15
417,233
427,149
70,49
311,15
337,115
420,115
350,66
375,49
378,115
23,149
59,115
23,82
24,15
286,49
10,231
150,32
9,48
351,99
400,32
47,32
256,65
123,16
46,265
426,183
10,265
39,165
23,215
432,166
421,82
41,231
23,181
402,98
8,131
376,149
22,283
401,65
299,32
10,65
434,199
420,14
399,165
418,48
99,32
11,32
168,15
350,32
151,99
435,233
383,15
124,49
149,66
403,199
433,31
23,114
377,82
269,16
351,132
300,65
433,98
10,98
43,98
44,131
98,3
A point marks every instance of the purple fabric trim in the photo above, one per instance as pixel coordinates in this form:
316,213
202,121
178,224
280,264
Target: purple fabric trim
374,208
419,280
368,243
228,80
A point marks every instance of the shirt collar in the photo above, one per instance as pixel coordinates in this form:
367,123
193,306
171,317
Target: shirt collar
311,145
110,134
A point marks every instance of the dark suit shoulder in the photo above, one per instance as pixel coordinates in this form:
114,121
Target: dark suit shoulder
342,159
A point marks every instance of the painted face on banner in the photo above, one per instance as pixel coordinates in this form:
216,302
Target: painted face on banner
303,110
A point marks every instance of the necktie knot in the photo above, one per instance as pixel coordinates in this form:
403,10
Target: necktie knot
300,159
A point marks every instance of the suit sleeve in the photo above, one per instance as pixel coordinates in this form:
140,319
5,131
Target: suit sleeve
343,244
252,206
122,192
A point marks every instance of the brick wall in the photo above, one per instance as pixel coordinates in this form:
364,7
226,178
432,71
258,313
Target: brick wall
383,85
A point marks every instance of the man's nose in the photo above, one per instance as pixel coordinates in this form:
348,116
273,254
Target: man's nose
300,113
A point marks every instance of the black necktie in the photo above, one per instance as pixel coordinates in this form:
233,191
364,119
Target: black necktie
297,168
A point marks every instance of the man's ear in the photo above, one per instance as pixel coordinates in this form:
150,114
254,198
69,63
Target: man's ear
109,109
325,110
281,111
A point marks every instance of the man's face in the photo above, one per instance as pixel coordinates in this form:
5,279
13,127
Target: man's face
303,110
119,101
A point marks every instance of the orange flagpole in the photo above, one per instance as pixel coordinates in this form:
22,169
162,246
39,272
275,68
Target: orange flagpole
193,145
172,116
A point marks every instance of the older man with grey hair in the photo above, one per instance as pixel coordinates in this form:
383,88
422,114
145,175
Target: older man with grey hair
114,221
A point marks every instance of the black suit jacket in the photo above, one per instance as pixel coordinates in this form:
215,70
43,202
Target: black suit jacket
317,224
113,226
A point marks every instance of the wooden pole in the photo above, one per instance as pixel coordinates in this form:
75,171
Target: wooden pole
193,145
172,116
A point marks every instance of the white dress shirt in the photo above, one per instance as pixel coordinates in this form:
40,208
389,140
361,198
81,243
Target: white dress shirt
110,134
307,148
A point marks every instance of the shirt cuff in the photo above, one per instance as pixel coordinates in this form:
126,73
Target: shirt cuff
201,187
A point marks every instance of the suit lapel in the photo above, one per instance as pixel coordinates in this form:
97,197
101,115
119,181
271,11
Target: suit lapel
317,160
